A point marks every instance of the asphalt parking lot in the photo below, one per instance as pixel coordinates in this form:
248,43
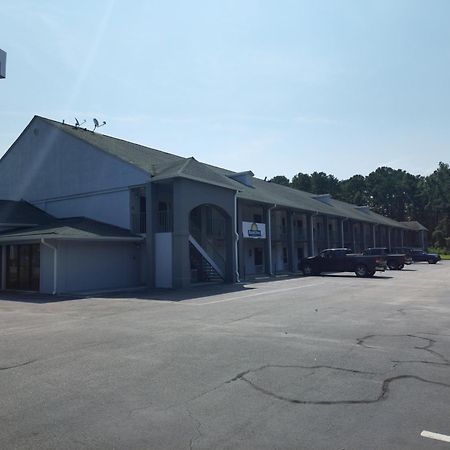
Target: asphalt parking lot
329,362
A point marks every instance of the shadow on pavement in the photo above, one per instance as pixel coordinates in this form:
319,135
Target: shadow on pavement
164,295
336,275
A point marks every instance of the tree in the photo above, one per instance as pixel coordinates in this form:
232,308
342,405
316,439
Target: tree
438,238
281,179
354,190
302,182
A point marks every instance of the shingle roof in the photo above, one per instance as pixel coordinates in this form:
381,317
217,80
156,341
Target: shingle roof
71,228
414,225
162,165
22,213
191,169
148,159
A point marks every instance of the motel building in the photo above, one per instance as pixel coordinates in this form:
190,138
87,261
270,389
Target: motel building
83,212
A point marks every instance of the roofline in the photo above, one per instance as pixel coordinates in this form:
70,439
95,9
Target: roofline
191,178
11,224
38,237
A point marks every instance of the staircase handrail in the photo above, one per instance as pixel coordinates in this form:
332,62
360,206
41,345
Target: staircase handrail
205,255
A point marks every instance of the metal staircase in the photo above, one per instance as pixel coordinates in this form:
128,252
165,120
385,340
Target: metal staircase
201,268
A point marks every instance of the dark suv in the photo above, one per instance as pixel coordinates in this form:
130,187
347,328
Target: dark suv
419,255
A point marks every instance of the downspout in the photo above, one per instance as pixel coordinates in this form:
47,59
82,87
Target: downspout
269,247
236,240
55,263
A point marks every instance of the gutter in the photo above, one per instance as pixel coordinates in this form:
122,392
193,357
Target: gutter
236,240
55,263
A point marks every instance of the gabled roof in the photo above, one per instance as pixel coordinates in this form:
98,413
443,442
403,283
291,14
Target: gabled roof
72,228
16,213
148,159
191,169
162,166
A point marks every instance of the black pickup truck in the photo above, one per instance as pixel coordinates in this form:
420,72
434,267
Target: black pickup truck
395,261
343,260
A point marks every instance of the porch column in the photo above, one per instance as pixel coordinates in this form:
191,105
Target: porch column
389,237
310,234
353,236
327,231
374,235
401,238
241,242
268,259
149,237
342,233
3,267
291,242
180,256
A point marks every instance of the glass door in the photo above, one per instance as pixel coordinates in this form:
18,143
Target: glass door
23,267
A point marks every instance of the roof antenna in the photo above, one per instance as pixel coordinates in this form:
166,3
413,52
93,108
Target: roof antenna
78,124
96,124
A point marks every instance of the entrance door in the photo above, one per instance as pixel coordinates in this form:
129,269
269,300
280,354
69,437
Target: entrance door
23,267
259,261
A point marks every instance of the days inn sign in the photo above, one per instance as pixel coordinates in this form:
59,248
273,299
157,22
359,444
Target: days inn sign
254,230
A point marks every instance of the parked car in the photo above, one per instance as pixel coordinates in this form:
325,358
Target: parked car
418,255
343,260
395,261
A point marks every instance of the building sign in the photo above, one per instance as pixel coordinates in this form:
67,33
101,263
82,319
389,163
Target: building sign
254,230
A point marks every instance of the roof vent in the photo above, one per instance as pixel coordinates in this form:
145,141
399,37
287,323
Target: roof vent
365,209
324,198
245,178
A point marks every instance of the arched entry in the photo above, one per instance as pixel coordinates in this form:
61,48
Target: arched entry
210,244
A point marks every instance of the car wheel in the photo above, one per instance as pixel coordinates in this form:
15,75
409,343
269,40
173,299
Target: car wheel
392,266
400,266
361,270
432,261
371,273
307,270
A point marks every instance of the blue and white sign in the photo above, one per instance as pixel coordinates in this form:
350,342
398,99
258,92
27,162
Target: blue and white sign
253,230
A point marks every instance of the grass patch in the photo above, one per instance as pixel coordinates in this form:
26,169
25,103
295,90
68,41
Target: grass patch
441,251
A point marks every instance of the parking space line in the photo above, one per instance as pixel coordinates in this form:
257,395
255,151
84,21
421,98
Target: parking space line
437,436
254,294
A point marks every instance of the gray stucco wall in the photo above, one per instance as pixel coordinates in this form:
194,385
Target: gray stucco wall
46,164
46,268
187,195
84,266
110,207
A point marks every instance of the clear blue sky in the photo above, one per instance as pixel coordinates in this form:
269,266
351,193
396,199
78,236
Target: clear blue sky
279,87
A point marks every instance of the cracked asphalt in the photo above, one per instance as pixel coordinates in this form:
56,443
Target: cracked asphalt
330,362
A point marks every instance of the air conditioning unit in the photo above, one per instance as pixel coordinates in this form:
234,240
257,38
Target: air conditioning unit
2,64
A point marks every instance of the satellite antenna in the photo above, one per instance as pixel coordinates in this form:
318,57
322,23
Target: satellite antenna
96,124
78,124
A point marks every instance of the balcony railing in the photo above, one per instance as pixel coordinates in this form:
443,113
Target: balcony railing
164,222
139,223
